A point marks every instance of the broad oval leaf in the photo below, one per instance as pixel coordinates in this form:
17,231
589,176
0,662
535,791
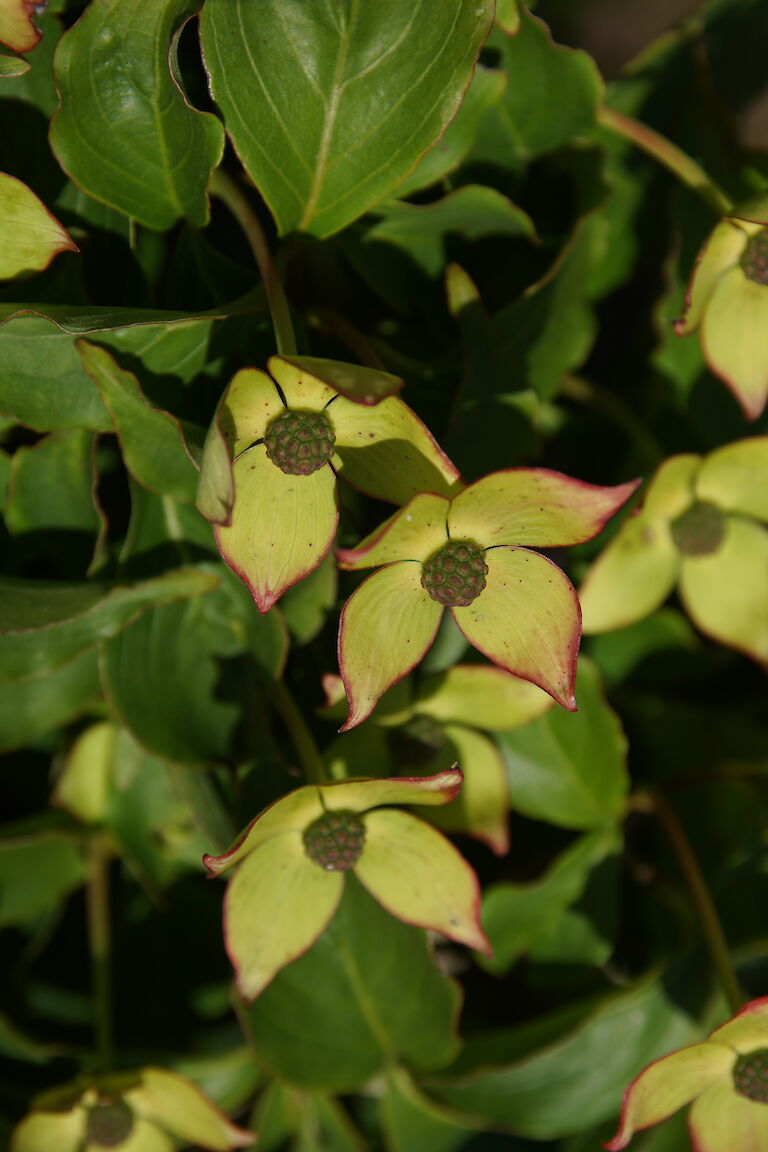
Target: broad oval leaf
567,769
330,105
30,236
124,131
361,1022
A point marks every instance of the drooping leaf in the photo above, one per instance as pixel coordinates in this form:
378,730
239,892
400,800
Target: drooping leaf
37,870
30,236
421,231
635,1026
538,918
570,769
336,104
221,646
44,625
125,131
151,440
361,1023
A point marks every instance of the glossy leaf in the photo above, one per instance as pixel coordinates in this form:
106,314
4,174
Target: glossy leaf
30,708
216,639
553,92
45,625
411,1120
570,769
125,131
421,230
13,66
527,620
151,440
361,1023
484,92
37,871
418,876
336,104
30,237
385,629
51,485
522,918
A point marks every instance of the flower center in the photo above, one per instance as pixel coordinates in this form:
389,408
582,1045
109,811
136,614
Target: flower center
417,742
455,574
335,840
110,1122
299,442
754,258
699,530
750,1075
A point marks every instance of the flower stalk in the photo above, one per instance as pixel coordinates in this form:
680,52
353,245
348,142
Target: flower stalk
99,944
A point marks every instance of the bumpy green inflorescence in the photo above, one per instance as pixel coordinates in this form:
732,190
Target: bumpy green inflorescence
110,1122
754,258
335,840
299,442
455,574
699,531
750,1075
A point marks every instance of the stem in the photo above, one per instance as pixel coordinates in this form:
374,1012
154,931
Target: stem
665,152
306,749
702,901
225,188
97,906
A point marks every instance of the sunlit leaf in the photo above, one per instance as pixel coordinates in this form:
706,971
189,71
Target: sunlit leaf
30,236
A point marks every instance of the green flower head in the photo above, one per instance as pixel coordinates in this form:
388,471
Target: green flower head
702,527
292,860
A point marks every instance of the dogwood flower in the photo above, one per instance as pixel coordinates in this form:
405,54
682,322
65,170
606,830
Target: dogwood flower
726,1078
293,857
274,450
442,720
147,1111
727,301
469,554
702,527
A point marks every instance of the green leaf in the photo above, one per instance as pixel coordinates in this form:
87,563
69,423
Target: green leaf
51,485
30,708
411,1120
484,92
125,131
78,320
30,236
37,871
552,95
570,769
336,103
361,1023
44,625
586,1072
538,918
181,676
13,66
365,385
151,440
422,230
550,329
306,606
